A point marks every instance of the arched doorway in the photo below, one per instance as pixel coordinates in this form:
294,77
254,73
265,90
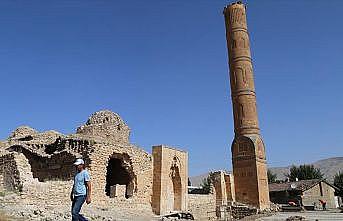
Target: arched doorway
176,180
119,172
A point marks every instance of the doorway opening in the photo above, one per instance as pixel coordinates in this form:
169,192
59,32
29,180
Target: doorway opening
119,174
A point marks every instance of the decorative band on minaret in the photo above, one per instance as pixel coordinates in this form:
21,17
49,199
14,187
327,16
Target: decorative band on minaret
248,151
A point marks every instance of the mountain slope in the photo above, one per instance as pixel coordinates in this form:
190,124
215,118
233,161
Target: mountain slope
329,167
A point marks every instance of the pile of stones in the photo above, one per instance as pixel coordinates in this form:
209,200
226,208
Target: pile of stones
239,212
295,218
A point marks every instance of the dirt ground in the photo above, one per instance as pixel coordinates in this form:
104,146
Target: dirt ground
308,215
11,208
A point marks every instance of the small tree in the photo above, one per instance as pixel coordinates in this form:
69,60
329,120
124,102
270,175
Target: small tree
304,172
206,184
271,176
338,182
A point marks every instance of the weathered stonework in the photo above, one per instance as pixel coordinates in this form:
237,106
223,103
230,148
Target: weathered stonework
22,132
203,206
9,174
230,187
170,180
224,188
40,164
248,150
106,125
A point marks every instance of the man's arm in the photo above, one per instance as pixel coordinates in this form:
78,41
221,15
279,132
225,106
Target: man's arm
89,191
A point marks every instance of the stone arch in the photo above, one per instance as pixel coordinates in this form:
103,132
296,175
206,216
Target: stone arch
243,146
176,181
119,173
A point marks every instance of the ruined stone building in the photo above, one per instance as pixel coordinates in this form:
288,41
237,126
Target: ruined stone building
208,206
224,188
40,163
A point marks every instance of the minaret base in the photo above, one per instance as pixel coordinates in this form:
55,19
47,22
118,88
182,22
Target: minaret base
250,171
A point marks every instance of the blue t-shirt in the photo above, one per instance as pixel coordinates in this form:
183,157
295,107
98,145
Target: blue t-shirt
80,179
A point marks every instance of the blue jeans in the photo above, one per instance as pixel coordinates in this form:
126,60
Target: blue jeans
76,207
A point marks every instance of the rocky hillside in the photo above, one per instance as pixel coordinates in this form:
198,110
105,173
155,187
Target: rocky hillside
329,167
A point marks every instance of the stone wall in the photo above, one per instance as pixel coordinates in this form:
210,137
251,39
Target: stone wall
15,171
202,206
170,170
35,191
48,193
134,161
9,174
56,167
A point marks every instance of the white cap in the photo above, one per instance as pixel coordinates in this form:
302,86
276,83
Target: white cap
78,162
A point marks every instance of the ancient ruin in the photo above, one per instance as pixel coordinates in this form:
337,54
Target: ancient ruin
38,164
169,180
224,188
248,150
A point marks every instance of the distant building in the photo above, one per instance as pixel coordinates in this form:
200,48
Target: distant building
307,192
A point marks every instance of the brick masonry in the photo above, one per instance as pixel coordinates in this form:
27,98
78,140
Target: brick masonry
170,180
248,150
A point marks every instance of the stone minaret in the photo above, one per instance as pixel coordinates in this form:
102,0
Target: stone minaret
248,151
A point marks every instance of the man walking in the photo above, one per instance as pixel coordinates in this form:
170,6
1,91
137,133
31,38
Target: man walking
81,191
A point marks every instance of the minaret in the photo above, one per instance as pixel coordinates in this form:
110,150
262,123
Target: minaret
248,151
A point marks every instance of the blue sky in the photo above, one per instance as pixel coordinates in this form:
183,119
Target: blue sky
162,65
